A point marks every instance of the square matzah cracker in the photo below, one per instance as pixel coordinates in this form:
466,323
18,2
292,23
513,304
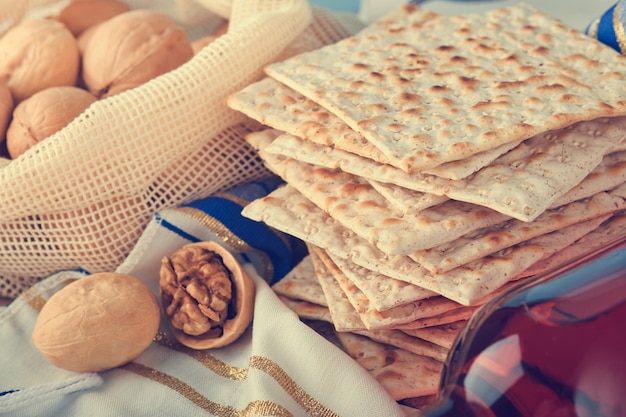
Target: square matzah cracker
521,183
301,283
287,210
610,231
444,335
408,375
282,108
482,242
344,290
440,89
408,342
463,313
358,206
279,107
382,291
404,199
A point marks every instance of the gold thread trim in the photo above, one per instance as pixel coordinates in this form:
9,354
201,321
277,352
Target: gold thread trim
234,199
241,202
37,302
271,368
206,359
228,237
618,28
306,401
215,226
263,408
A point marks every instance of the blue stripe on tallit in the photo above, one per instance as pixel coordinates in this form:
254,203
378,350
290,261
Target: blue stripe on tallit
256,234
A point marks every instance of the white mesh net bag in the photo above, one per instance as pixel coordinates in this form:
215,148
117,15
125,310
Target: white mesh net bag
82,197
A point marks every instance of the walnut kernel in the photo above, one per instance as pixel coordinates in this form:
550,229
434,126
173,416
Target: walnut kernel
206,295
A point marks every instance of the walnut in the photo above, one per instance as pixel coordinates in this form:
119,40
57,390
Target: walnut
80,15
98,322
206,295
43,114
37,54
131,49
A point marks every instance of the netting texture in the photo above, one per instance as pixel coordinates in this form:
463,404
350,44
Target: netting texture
83,196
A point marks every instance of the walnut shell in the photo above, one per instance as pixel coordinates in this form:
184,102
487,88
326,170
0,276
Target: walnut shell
207,295
131,49
82,14
37,54
44,114
98,322
84,38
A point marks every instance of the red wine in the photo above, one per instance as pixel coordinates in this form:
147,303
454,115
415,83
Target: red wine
553,347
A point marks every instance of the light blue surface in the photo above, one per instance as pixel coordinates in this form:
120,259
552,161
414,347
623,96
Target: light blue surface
341,5
576,13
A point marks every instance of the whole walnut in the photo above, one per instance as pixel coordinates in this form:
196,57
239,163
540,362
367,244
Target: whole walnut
131,49
37,54
98,322
44,114
82,14
206,295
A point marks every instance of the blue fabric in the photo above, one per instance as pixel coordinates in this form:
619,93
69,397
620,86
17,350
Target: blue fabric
606,30
175,229
283,251
253,190
609,28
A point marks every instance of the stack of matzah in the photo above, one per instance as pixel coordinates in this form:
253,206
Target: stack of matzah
431,161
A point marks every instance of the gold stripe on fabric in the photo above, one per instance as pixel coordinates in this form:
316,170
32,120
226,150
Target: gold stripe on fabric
255,408
618,27
312,406
234,199
300,396
205,358
37,302
228,237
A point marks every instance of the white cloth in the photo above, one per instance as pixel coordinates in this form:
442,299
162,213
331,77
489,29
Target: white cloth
279,367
